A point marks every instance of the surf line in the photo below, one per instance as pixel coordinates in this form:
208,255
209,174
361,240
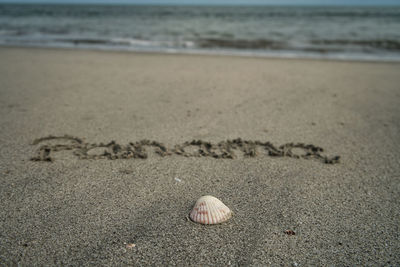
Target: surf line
197,148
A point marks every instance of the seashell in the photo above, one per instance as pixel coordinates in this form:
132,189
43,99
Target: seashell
210,210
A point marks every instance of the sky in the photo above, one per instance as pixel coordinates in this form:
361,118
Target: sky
220,2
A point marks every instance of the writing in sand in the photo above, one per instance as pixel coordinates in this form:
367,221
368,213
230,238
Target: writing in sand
228,149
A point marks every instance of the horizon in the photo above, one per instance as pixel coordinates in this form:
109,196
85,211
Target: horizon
213,3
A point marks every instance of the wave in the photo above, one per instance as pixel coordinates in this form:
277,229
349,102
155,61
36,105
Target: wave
316,45
322,46
240,43
224,40
384,44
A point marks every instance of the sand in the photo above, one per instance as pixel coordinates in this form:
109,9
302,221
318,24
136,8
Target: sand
81,203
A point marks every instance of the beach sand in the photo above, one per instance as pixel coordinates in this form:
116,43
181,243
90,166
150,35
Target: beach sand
76,211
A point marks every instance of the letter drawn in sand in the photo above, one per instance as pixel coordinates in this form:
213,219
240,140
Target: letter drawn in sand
196,148
46,150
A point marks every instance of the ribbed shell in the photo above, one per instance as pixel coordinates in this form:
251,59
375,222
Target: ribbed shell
210,210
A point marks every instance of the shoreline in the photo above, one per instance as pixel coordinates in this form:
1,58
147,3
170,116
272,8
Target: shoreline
208,53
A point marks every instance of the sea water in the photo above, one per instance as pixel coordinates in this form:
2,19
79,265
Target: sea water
362,33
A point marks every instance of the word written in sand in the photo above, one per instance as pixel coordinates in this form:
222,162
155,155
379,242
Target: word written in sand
197,148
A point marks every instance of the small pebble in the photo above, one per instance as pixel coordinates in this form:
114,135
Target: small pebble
290,232
130,246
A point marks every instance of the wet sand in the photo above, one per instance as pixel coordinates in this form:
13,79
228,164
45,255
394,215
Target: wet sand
85,198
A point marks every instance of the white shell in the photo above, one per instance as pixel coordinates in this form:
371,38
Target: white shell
210,210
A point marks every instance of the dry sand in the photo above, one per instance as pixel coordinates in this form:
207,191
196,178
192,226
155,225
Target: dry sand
76,211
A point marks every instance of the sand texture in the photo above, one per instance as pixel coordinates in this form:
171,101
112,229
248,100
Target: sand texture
103,155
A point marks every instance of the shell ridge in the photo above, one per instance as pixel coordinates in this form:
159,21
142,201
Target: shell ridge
209,212
216,211
202,219
207,207
215,214
215,219
205,212
197,214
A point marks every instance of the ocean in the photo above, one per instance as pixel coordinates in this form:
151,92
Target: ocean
356,33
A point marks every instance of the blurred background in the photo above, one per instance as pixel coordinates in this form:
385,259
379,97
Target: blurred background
367,30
